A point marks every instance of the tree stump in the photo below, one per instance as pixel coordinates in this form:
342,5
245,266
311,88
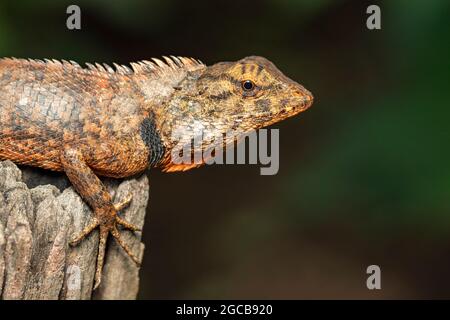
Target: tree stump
39,214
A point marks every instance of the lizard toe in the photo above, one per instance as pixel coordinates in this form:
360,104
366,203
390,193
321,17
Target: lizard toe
124,203
126,224
86,231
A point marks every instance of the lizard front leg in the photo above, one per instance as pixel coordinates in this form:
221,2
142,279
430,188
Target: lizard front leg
92,190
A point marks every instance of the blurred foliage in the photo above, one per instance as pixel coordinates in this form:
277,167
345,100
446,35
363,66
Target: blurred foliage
390,164
364,174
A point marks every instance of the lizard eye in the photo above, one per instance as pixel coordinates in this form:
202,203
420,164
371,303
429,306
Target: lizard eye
248,85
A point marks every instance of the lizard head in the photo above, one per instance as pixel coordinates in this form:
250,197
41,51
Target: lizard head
249,94
234,97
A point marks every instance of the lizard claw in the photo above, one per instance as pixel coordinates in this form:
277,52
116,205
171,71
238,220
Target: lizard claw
124,203
104,232
126,224
116,234
86,231
121,205
108,226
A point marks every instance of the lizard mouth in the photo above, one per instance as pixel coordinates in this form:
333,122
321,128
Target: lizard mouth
297,104
301,101
290,109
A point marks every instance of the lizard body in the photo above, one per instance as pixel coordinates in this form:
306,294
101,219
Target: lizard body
100,121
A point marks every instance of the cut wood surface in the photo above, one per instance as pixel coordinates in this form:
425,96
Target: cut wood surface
39,214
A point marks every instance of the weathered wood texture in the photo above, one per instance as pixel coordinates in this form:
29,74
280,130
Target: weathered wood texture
36,224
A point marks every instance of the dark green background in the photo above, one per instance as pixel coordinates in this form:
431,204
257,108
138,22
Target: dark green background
364,174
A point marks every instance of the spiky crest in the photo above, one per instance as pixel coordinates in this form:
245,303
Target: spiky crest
155,67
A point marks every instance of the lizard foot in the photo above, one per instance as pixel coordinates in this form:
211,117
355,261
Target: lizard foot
107,221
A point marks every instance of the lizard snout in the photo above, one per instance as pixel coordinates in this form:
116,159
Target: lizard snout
304,96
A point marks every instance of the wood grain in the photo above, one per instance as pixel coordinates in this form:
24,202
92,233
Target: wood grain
36,225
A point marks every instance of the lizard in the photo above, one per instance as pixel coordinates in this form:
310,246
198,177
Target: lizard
99,121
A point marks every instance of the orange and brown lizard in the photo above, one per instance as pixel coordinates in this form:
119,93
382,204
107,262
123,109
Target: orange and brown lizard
100,121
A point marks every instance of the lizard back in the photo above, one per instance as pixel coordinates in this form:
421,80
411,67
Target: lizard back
46,105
